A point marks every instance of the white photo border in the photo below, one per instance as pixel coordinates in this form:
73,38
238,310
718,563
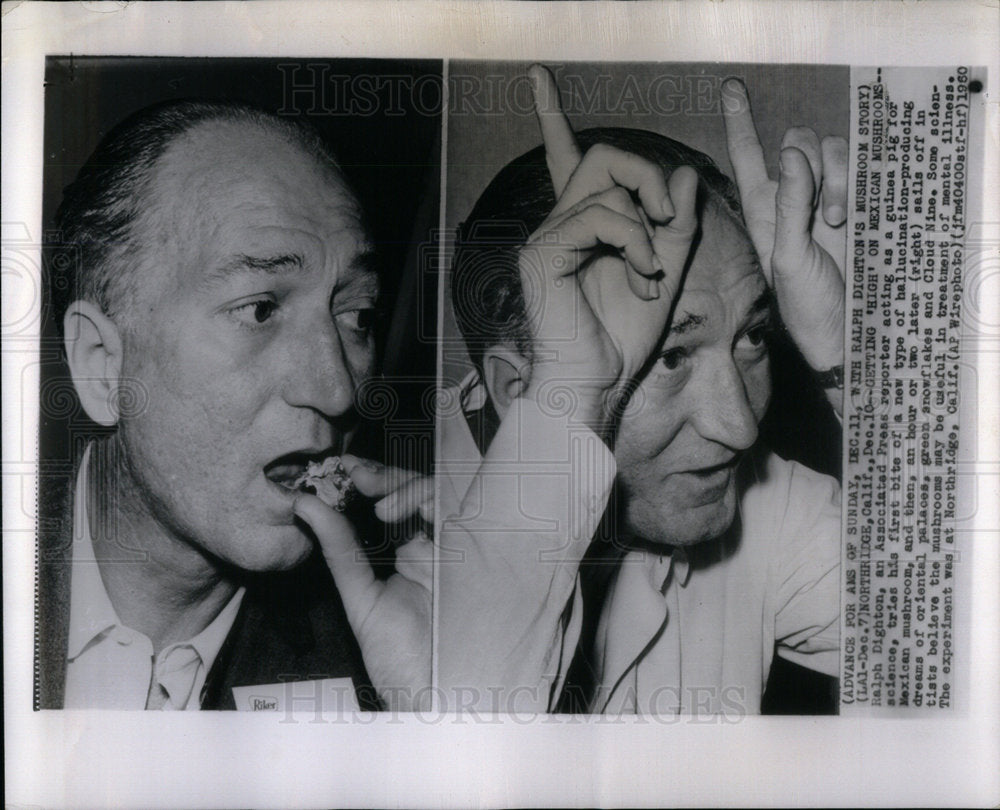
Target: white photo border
56,759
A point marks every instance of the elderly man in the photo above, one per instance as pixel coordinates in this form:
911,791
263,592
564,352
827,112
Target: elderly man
218,323
617,311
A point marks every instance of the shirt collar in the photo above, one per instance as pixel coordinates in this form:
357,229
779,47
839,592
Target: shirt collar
91,614
661,566
472,392
210,640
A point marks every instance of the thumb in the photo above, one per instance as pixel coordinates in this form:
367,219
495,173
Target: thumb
352,573
793,212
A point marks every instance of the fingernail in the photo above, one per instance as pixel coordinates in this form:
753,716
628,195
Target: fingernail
653,289
668,208
835,214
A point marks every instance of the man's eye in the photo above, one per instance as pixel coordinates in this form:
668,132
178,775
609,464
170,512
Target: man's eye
754,338
757,334
673,359
256,312
360,320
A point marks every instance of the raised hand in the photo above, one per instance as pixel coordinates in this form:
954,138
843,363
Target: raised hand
802,250
391,619
596,319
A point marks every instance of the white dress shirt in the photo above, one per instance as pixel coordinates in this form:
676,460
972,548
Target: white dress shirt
681,639
112,666
672,637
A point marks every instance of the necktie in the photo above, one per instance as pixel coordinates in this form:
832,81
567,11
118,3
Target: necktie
174,672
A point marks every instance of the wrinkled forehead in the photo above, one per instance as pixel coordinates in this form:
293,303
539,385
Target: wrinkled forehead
724,264
243,171
224,185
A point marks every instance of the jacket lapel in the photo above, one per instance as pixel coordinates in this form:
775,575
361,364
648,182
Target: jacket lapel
291,627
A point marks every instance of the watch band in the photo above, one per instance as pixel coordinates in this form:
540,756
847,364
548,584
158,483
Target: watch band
831,378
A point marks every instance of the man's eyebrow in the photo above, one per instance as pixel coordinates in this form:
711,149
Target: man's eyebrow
686,324
242,263
764,303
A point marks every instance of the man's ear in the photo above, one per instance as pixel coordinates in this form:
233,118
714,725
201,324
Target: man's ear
506,373
94,351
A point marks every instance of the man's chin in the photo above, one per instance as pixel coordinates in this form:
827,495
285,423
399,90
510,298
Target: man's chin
280,548
684,526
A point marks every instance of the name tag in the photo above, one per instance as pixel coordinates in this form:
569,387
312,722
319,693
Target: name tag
329,696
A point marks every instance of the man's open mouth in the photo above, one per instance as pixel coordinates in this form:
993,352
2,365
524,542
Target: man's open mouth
319,474
288,470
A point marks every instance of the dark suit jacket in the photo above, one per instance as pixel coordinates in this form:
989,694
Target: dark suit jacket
291,626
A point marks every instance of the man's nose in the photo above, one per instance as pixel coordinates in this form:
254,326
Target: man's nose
725,411
323,378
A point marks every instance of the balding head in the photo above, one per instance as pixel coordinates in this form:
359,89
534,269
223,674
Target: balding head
99,225
228,283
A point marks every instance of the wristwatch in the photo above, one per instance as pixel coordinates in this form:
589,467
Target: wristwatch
831,378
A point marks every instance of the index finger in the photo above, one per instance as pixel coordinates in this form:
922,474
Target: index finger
562,155
742,141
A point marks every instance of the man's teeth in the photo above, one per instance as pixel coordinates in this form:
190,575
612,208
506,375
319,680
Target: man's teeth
286,474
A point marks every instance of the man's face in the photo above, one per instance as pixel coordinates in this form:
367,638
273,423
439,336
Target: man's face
254,332
698,407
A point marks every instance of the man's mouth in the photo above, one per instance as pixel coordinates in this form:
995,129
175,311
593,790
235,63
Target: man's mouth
714,469
288,469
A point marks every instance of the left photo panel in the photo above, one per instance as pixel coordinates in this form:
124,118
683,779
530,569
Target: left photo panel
238,356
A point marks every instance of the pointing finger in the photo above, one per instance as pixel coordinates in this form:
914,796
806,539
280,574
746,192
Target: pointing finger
745,151
561,151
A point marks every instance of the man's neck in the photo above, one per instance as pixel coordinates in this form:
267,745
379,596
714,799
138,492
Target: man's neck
158,584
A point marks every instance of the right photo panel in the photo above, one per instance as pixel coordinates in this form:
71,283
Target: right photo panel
698,412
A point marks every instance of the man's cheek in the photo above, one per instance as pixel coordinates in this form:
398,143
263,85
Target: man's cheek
759,389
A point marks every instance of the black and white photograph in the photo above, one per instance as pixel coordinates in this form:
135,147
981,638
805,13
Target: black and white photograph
234,396
707,356
501,404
